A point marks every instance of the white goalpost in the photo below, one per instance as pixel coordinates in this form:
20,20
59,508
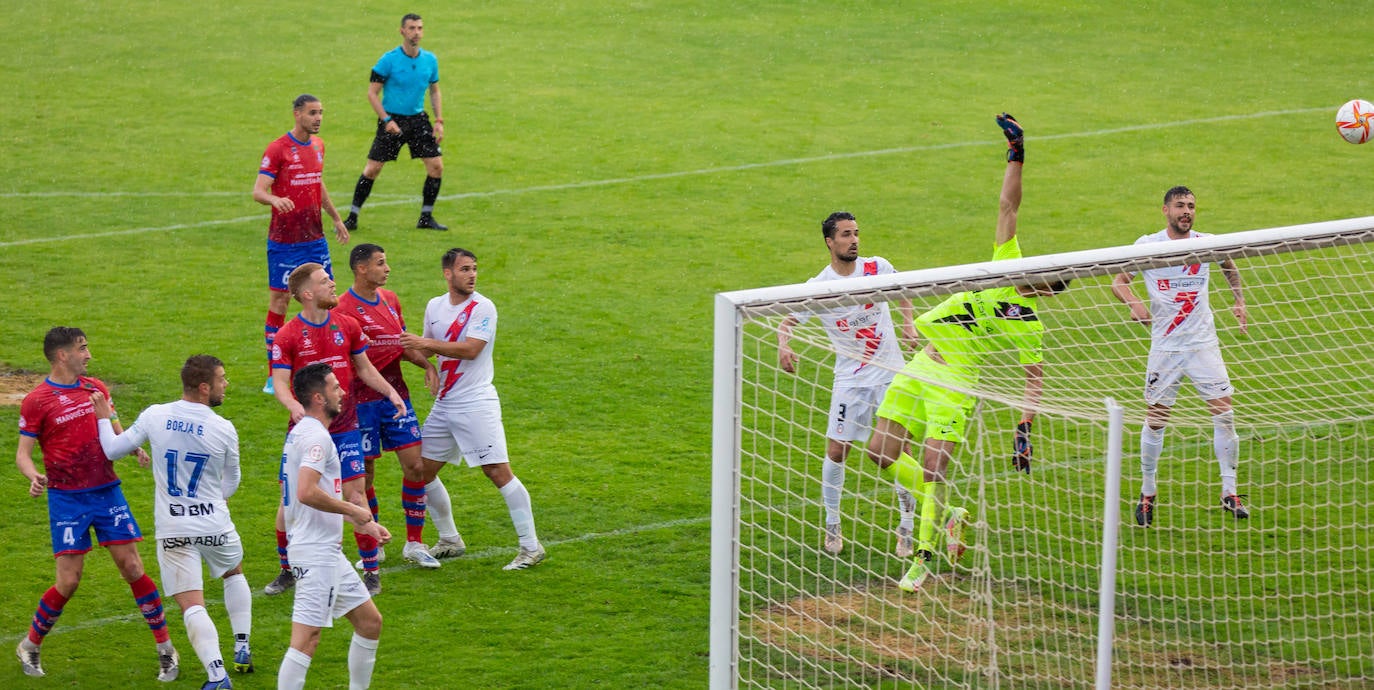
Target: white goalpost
1054,591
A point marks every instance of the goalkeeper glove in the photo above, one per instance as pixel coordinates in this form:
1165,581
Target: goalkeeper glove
1021,459
1016,138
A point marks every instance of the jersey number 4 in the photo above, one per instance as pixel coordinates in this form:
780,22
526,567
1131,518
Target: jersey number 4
197,462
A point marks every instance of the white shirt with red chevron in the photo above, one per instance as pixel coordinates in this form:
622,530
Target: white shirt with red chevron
866,349
463,381
1180,313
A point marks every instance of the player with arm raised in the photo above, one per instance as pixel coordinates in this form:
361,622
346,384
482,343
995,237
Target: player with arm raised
465,422
1183,342
960,333
196,470
315,511
378,312
291,181
866,356
83,494
319,335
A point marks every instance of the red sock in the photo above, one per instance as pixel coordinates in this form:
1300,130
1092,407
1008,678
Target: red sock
413,501
49,608
367,548
274,323
372,501
281,550
150,603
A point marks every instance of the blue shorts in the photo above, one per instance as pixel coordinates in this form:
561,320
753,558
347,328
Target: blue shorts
350,447
282,259
382,433
72,514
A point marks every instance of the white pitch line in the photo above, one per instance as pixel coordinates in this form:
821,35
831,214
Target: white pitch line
471,555
685,173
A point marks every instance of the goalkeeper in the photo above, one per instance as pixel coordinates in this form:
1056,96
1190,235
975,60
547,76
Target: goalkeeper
926,400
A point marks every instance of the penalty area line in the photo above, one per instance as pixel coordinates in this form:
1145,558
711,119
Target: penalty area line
700,172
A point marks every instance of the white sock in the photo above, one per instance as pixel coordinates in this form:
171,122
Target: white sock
1151,445
440,509
1227,446
832,483
294,665
362,657
205,640
907,506
238,602
521,512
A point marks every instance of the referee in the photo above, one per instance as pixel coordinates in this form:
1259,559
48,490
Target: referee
397,95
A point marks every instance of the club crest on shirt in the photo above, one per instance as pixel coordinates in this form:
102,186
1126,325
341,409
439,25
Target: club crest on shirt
338,338
843,325
1014,311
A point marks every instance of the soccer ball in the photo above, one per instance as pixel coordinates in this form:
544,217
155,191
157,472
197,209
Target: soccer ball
1353,121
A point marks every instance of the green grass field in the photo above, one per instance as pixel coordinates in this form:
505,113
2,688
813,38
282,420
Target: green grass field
613,165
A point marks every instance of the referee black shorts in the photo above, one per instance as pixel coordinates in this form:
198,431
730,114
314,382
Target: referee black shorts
416,132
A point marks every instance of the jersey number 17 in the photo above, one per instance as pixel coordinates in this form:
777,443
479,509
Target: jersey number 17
196,461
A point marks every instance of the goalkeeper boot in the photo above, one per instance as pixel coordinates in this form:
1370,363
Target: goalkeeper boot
1145,511
1232,503
918,574
954,534
221,684
834,543
1016,138
906,546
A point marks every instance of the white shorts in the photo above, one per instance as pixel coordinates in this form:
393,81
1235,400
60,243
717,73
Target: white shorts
1165,371
326,592
851,413
474,434
179,559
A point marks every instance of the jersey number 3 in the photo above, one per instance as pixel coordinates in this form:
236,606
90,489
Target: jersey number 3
197,461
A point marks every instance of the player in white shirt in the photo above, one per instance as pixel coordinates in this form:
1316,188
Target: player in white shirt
867,356
1184,343
196,468
465,422
327,587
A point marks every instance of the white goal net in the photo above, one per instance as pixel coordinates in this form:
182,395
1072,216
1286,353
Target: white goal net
1284,599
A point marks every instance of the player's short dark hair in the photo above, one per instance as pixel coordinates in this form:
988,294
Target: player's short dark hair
828,225
362,254
451,257
60,337
1175,192
302,99
309,381
1058,286
199,369
412,17
299,277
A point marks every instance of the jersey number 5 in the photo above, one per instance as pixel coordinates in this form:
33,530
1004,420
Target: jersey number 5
198,461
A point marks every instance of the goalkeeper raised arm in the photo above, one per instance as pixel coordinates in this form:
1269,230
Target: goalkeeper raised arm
928,399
